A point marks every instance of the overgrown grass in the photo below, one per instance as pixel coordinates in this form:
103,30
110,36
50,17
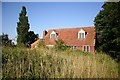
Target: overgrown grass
48,63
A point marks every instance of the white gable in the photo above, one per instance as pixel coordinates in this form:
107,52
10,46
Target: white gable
81,34
53,35
53,32
81,31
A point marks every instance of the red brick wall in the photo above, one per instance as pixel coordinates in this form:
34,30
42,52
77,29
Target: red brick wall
79,47
92,49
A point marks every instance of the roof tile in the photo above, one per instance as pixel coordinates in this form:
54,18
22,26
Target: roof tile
70,36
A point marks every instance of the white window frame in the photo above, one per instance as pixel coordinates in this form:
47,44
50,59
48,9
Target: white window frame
85,50
80,33
53,32
73,47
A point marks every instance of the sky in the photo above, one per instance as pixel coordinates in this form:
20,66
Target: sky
49,15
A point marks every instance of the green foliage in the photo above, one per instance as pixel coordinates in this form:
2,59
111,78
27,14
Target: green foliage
107,24
5,41
25,37
22,27
32,37
46,63
60,45
41,44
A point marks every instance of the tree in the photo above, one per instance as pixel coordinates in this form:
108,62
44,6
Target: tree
107,24
32,37
5,41
22,27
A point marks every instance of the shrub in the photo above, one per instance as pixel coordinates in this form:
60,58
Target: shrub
60,45
41,44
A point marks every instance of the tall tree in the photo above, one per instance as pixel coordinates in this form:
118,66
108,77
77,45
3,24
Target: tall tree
107,24
22,27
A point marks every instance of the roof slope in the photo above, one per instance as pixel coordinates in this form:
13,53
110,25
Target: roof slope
70,36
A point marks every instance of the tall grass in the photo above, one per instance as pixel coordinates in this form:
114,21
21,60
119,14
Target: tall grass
48,63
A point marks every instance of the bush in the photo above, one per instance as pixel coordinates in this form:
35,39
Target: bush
41,44
60,45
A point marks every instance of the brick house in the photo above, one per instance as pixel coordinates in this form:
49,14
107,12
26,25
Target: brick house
77,38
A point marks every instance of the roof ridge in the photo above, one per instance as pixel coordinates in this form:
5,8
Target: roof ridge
73,28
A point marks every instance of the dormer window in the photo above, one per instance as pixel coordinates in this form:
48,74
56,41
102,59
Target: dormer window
53,35
81,34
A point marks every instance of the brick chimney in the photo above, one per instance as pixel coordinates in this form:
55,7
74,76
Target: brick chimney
44,33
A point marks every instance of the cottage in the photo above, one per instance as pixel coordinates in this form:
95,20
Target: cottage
78,38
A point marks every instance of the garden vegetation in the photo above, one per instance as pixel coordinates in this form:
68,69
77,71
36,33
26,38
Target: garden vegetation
48,63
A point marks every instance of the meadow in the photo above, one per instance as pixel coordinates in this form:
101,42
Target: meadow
49,63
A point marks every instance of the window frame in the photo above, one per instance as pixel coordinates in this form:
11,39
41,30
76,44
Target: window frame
86,48
73,47
53,33
81,34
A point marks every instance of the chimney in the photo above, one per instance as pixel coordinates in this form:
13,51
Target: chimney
44,33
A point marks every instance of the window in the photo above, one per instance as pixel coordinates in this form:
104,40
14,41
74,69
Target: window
73,47
86,48
53,35
81,34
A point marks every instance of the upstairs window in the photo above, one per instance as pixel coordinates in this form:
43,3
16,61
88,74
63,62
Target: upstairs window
86,48
81,34
53,35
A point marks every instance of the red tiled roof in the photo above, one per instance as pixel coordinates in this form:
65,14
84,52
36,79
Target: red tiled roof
35,43
70,36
